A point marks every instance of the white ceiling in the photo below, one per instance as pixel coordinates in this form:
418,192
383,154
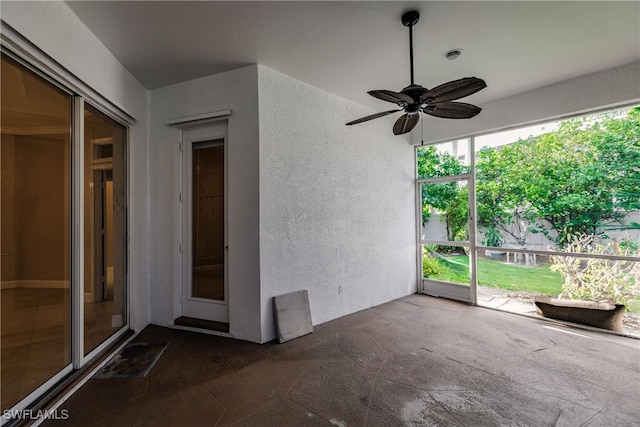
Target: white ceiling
348,48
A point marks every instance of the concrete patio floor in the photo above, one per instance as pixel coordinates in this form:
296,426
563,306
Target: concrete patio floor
414,361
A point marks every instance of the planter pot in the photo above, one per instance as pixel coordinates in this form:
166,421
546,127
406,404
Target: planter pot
601,315
494,254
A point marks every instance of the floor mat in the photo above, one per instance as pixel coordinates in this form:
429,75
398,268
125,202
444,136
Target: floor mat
135,360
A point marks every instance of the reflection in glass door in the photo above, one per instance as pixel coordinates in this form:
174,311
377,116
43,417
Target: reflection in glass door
35,229
208,221
104,222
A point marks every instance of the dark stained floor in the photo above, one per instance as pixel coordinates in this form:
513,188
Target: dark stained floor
411,362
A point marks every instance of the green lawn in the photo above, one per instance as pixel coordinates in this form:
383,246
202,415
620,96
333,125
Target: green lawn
537,280
497,274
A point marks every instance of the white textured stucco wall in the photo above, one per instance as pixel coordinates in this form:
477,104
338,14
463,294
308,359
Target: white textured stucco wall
337,203
612,87
235,90
57,31
317,205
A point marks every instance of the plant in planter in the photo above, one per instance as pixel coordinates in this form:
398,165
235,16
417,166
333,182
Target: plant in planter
494,238
598,280
595,290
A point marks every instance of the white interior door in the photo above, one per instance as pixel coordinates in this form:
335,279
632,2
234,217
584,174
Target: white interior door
204,246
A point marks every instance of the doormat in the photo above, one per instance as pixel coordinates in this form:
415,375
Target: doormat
135,360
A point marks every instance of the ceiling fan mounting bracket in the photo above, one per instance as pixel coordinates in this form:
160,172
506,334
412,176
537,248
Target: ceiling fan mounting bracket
410,18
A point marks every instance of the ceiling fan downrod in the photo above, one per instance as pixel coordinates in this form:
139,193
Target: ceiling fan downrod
409,19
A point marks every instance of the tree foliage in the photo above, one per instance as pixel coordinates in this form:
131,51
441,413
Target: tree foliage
581,179
448,198
582,176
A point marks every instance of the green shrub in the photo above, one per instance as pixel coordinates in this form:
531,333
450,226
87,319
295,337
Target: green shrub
430,266
493,237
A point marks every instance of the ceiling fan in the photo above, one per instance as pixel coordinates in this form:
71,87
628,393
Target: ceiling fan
435,102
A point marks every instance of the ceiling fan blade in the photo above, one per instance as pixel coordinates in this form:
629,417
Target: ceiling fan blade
453,110
454,90
390,96
371,117
405,123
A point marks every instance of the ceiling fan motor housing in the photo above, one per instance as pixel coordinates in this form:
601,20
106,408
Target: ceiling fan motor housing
415,92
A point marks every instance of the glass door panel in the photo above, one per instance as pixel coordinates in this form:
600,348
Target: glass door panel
35,229
104,224
208,221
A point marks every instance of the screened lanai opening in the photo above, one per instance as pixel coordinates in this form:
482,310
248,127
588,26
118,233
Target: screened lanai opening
548,210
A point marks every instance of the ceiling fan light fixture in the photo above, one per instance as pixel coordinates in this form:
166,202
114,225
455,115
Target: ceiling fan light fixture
453,54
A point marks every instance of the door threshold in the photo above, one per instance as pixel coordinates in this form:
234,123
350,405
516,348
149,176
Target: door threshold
202,324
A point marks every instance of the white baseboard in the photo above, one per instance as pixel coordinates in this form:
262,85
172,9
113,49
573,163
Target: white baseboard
35,284
9,284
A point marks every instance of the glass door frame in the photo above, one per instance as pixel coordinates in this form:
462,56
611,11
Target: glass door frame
193,306
78,257
437,287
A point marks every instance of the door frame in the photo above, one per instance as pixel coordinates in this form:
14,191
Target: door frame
193,307
440,288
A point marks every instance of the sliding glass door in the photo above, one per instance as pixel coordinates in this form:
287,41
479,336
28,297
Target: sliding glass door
63,233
